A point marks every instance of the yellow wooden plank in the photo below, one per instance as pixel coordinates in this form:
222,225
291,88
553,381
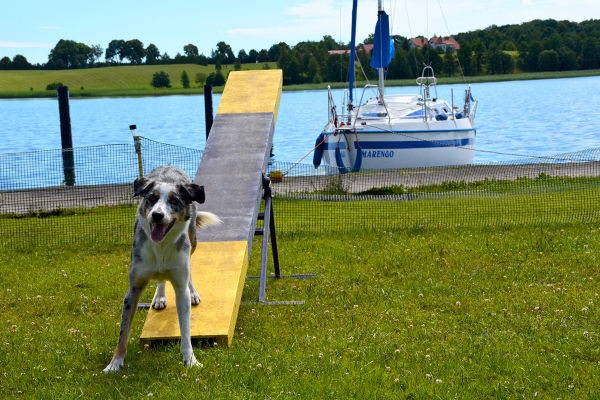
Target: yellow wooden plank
252,92
218,272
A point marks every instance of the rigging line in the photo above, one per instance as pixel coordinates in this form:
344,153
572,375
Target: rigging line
306,155
476,150
362,69
414,53
427,31
340,42
448,31
427,17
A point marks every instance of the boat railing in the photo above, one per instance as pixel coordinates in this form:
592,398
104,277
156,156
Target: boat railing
473,110
331,111
360,103
425,81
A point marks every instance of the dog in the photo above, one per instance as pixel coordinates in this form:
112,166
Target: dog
164,239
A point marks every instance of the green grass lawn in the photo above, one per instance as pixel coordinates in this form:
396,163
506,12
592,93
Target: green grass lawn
108,81
135,80
492,311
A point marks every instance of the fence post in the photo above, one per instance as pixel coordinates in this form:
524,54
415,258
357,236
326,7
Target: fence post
66,137
208,108
138,148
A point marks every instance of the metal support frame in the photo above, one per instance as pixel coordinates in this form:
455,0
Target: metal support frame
268,230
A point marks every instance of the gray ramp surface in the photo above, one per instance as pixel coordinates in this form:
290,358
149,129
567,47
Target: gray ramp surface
235,157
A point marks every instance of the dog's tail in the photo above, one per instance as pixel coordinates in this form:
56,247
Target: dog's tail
204,218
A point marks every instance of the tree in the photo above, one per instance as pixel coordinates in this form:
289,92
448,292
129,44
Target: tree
478,59
134,51
253,56
464,55
289,63
223,53
276,50
336,67
242,56
263,56
567,59
5,63
237,64
20,62
530,56
95,54
432,57
152,54
548,61
114,49
69,54
499,62
399,67
449,62
215,79
161,79
590,54
314,70
185,80
200,78
190,50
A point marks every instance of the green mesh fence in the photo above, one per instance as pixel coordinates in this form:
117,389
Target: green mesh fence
36,206
562,188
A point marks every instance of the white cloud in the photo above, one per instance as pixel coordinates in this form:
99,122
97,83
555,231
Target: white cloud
18,45
313,9
311,19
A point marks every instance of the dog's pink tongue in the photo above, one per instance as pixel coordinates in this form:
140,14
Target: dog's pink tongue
158,232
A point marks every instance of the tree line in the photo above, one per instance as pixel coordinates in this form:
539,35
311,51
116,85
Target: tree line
547,45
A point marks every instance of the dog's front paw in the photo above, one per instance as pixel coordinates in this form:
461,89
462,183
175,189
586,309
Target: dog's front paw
159,302
114,365
192,362
195,297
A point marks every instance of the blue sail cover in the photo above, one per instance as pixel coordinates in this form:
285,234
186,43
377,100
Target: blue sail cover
383,45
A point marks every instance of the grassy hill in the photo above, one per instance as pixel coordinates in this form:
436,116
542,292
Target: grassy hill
134,80
125,80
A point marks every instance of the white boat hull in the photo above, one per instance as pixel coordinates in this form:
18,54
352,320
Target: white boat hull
448,143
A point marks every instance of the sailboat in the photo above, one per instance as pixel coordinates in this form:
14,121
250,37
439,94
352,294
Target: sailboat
398,131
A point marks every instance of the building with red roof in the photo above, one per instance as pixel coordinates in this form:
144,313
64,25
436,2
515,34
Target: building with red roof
363,47
442,42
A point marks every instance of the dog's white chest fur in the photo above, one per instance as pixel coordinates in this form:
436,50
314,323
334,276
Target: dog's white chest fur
162,258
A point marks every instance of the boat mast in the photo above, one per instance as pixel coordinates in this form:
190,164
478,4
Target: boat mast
381,69
352,57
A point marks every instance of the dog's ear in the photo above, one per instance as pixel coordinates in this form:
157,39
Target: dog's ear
141,186
192,192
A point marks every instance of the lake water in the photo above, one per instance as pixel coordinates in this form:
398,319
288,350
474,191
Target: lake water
541,117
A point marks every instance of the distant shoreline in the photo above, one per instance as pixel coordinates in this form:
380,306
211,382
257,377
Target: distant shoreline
150,92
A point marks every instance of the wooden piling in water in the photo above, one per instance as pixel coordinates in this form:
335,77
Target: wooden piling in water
208,108
66,137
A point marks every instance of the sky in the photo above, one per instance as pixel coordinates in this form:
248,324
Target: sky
33,27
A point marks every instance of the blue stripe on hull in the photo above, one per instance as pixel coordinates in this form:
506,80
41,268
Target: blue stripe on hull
405,144
411,132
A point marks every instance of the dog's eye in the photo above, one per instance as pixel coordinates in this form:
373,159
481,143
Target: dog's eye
152,199
173,201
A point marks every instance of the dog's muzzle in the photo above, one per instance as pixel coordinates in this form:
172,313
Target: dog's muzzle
159,230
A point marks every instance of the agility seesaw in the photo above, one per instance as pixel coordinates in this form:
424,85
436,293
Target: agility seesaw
232,171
